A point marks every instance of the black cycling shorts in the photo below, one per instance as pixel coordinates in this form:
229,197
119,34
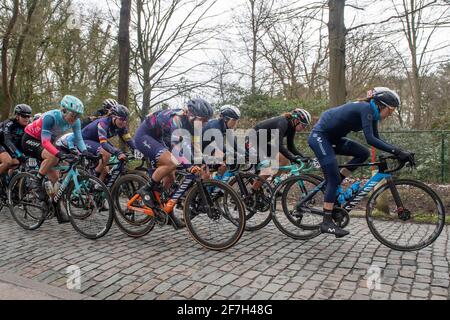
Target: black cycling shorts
32,147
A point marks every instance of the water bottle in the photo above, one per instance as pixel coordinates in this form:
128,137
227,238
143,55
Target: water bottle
49,188
340,195
352,190
226,176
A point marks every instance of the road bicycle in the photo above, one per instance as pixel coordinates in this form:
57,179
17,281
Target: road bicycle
402,214
201,200
85,198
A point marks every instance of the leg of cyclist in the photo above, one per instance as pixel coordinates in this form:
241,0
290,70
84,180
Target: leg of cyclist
163,163
326,155
5,163
348,147
102,167
49,161
95,148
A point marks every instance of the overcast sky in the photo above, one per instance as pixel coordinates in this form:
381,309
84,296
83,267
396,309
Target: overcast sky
373,11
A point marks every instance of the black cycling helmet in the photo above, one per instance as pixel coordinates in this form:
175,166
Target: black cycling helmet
386,97
200,108
109,103
121,111
23,110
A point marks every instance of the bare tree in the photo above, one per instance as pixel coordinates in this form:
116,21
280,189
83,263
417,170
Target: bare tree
5,47
420,19
252,23
124,51
296,51
168,32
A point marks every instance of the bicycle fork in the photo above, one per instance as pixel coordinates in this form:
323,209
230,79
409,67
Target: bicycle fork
402,213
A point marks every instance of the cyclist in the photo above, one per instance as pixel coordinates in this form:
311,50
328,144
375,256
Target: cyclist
158,135
328,138
98,132
229,117
102,112
11,132
36,116
37,141
287,125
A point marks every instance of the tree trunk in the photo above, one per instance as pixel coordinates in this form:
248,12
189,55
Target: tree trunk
254,46
5,46
18,53
124,51
417,98
336,34
146,95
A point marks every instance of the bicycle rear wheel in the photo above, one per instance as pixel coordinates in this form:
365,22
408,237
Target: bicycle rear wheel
133,223
297,222
217,228
257,204
415,225
90,208
24,205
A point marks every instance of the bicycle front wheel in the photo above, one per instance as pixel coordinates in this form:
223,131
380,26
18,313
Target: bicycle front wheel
89,207
412,226
133,223
208,222
24,205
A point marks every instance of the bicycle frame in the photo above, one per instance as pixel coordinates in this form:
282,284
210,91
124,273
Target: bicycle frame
72,175
189,180
362,193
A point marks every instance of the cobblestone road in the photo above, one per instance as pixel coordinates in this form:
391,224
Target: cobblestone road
263,265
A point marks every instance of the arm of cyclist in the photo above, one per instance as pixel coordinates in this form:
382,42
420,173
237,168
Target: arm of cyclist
46,135
126,137
77,137
291,147
104,143
8,140
370,129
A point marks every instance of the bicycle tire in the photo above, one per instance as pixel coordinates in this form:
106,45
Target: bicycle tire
126,224
436,200
39,219
74,218
190,203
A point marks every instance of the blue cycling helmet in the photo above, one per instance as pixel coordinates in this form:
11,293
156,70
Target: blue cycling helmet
200,108
73,104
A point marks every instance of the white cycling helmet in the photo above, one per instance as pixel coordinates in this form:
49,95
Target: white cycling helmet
302,115
230,111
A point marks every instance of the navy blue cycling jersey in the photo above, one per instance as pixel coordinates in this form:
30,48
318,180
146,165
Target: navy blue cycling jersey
337,122
101,130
